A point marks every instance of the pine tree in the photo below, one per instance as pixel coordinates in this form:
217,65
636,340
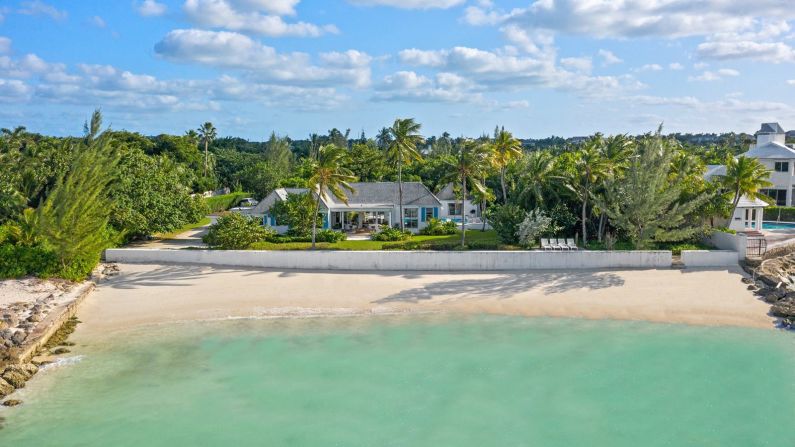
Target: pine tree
73,219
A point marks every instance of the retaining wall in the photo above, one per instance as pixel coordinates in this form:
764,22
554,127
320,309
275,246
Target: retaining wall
399,260
710,258
727,241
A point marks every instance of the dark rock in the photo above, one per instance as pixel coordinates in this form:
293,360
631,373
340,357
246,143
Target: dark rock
747,280
59,351
18,338
784,309
771,297
751,287
14,378
5,388
35,318
12,403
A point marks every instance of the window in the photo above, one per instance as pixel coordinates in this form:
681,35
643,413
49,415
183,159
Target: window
429,214
781,166
779,195
411,217
454,209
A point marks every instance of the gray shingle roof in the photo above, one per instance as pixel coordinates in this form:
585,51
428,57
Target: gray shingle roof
384,194
771,150
771,128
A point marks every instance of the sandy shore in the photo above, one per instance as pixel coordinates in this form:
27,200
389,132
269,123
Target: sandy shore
146,294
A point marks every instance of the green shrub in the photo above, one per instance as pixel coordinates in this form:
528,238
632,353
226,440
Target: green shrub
782,213
217,204
725,230
506,219
18,260
296,212
391,234
436,227
234,231
321,236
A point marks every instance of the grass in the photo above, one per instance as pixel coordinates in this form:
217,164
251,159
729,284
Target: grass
185,228
471,236
675,247
217,204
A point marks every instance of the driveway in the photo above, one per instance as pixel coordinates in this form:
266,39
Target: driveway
190,238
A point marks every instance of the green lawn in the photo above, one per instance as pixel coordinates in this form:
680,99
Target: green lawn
187,227
471,236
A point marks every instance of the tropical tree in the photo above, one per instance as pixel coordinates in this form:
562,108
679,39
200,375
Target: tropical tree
616,151
404,135
506,150
586,168
535,178
467,167
744,177
207,134
384,138
329,175
648,202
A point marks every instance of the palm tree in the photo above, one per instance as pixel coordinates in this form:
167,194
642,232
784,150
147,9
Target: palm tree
329,175
536,176
384,138
506,149
207,133
617,151
588,168
404,135
468,164
745,177
192,136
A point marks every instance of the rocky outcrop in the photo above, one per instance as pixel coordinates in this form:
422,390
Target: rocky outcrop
5,388
12,403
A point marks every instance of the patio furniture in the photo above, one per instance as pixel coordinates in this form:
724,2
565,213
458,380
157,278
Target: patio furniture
545,245
571,244
561,244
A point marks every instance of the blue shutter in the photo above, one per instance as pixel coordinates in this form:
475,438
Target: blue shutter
325,221
436,213
422,214
273,221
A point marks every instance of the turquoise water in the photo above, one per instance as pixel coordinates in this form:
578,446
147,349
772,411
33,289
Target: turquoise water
778,225
489,381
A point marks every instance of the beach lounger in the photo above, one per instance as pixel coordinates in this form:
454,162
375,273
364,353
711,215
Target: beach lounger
572,245
557,245
545,245
563,244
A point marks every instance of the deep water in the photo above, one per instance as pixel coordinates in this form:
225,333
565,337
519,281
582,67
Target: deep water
416,381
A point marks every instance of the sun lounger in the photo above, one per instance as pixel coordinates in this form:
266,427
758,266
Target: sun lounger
572,245
545,245
556,244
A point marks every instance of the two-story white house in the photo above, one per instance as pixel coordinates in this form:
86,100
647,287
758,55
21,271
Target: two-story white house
772,151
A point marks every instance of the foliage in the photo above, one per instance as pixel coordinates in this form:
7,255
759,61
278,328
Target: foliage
73,219
506,219
725,230
220,203
329,176
391,234
296,212
647,203
330,236
367,162
404,136
780,213
468,166
506,149
436,227
234,231
563,220
22,260
535,224
151,196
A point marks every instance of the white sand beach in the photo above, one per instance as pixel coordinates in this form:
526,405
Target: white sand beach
148,294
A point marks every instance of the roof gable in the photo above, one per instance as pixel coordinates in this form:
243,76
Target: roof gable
384,194
771,150
770,128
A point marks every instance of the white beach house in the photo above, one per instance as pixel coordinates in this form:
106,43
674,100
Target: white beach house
370,206
452,207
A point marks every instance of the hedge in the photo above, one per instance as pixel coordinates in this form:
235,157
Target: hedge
217,204
787,213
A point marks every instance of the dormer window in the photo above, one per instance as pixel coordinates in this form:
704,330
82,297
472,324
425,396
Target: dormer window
782,166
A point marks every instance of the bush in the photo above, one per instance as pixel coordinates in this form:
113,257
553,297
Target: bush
321,236
505,219
436,227
440,246
217,204
725,230
535,224
391,234
234,231
18,260
296,212
782,213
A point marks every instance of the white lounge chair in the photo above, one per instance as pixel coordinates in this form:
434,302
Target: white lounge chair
571,244
561,244
545,245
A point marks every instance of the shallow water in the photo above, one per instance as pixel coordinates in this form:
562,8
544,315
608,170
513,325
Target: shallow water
430,381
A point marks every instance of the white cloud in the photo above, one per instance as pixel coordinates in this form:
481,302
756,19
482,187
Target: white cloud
14,89
98,21
650,67
151,8
676,66
791,82
37,7
482,16
232,50
5,45
715,75
408,86
228,15
410,4
774,52
580,64
608,58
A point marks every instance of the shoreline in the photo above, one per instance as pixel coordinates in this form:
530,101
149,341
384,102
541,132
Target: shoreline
145,294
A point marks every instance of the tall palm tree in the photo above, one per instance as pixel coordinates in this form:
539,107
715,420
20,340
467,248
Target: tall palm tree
744,177
329,175
192,136
405,135
207,133
537,173
384,138
506,149
617,151
468,165
588,168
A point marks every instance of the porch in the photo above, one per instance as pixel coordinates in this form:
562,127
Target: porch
360,222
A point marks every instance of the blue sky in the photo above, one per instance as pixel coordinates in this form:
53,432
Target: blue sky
539,68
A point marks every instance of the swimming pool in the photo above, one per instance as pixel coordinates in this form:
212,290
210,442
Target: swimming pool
778,225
